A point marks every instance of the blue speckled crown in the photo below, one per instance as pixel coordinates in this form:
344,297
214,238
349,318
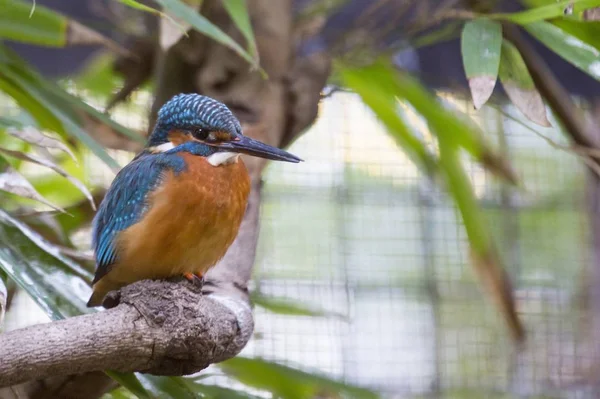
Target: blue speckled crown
189,111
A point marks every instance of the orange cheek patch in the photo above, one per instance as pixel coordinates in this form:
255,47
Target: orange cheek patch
222,136
178,137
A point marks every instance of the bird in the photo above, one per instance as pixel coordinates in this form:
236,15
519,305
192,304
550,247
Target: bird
175,209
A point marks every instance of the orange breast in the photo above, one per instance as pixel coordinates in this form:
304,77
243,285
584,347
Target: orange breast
192,219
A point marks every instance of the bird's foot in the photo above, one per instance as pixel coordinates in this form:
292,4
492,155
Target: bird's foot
195,278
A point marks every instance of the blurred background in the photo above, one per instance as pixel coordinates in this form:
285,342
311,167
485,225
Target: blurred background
363,276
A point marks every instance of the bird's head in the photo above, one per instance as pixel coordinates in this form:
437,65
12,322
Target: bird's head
212,128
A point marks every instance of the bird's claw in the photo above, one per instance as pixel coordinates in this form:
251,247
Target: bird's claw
195,278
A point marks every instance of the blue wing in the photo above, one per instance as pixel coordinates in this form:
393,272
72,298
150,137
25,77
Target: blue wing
124,205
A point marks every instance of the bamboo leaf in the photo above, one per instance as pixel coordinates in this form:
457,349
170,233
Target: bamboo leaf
481,42
55,283
238,11
483,254
572,49
548,11
42,116
372,85
587,32
131,382
37,138
446,123
287,307
519,85
41,271
19,21
51,165
180,11
3,297
13,182
64,115
288,382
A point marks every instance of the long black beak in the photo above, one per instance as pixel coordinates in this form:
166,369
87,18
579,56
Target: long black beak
246,145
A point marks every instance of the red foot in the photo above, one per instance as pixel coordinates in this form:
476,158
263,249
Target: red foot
194,278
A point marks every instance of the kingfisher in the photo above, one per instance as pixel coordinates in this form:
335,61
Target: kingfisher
175,209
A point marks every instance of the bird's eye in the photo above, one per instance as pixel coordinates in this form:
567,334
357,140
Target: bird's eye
201,134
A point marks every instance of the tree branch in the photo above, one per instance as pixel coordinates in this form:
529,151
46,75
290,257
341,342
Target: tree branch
160,327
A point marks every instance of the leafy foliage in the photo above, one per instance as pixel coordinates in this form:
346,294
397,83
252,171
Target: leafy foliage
59,285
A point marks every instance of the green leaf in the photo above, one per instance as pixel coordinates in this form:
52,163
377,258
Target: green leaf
382,81
131,382
572,49
287,382
444,121
519,85
181,11
238,11
372,85
166,387
39,269
13,182
29,83
483,254
217,392
57,284
42,116
544,12
3,296
587,32
39,139
481,42
35,24
43,27
51,165
287,307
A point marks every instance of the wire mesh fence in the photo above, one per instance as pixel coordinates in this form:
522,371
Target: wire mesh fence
358,232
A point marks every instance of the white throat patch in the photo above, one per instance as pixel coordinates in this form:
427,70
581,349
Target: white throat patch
163,147
223,158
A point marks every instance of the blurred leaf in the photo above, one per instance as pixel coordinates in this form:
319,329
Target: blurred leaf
130,381
287,307
548,11
587,32
51,165
383,81
57,284
481,41
166,387
372,85
519,85
238,11
35,137
3,297
182,12
443,121
43,117
35,24
34,87
44,276
170,29
13,182
484,258
217,392
572,49
287,382
98,77
94,113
